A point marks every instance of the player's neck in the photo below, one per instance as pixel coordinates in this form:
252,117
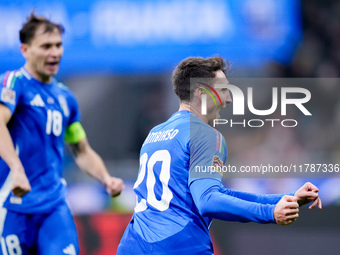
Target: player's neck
184,106
35,75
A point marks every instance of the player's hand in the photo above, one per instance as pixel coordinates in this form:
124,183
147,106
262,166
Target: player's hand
114,186
286,210
308,193
21,184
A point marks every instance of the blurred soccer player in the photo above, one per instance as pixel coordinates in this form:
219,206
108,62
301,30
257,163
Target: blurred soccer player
37,114
174,209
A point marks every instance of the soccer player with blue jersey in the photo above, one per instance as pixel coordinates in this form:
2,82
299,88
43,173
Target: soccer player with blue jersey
175,202
37,114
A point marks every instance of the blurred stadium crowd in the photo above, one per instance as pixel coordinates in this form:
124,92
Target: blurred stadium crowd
318,55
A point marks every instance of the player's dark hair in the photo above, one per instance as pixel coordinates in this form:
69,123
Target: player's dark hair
195,67
32,24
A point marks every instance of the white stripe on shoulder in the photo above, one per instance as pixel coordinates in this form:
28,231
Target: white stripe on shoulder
25,73
18,73
63,86
9,79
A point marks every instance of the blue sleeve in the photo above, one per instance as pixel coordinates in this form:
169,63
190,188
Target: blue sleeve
208,152
212,200
9,90
272,199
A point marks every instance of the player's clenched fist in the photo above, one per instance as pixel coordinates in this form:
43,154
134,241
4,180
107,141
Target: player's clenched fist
21,184
308,193
286,210
114,186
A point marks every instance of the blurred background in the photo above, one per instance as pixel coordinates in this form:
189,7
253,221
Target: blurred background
118,60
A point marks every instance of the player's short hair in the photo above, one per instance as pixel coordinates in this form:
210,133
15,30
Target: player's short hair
32,24
195,67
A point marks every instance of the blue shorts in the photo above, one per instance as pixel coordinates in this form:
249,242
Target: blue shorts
27,234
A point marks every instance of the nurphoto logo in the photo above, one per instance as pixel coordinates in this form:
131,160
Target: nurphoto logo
239,99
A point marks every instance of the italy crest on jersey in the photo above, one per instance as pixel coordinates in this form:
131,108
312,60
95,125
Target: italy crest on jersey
63,105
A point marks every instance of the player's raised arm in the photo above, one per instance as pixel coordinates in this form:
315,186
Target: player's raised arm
211,202
21,184
91,163
272,199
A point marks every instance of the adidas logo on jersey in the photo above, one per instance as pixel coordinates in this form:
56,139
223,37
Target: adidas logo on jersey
71,250
15,200
37,101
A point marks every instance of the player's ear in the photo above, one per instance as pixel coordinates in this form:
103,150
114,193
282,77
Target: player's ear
199,92
24,49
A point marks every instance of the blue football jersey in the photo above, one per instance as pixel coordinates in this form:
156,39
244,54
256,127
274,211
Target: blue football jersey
165,212
41,114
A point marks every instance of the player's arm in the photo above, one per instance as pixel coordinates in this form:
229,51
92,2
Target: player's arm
211,202
89,161
21,184
212,199
272,199
306,194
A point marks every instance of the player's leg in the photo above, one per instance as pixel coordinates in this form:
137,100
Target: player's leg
17,233
57,234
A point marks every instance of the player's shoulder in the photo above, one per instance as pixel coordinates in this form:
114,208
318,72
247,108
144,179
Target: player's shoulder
174,129
61,86
199,128
178,121
10,79
64,90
